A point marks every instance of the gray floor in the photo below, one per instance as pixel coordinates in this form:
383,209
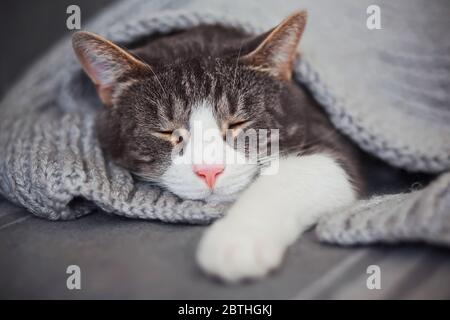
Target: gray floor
121,258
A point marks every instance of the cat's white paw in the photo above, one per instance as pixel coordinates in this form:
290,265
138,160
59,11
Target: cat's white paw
237,252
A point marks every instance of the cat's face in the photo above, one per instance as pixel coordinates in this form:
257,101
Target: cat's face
188,126
169,126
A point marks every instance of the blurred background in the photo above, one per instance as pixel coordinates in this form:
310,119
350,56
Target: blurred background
29,28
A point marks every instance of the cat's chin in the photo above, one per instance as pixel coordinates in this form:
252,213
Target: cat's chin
210,197
219,198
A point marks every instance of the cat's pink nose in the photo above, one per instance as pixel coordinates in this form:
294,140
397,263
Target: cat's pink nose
208,172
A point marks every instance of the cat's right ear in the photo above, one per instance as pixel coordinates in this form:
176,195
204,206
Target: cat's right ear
276,52
105,63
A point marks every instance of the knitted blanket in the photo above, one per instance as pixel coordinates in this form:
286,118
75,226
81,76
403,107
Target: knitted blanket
388,90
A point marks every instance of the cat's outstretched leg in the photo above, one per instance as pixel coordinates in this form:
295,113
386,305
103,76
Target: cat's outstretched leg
252,238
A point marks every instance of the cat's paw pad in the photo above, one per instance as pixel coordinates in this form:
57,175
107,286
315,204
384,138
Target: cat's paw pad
236,253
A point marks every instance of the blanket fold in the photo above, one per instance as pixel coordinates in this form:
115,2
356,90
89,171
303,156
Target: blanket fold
421,216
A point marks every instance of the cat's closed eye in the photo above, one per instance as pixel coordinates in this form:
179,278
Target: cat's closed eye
173,136
237,126
167,132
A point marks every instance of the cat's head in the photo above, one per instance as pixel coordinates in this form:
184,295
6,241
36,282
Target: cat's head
177,123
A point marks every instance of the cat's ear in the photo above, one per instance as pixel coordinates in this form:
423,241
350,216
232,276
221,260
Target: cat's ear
105,63
276,52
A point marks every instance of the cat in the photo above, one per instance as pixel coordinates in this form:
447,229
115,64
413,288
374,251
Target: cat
157,90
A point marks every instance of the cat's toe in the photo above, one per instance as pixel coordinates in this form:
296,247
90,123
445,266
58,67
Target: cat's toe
235,253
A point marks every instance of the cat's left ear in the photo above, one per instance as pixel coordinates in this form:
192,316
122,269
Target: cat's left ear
106,64
276,53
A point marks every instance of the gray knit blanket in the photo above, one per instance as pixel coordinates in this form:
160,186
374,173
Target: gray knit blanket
388,90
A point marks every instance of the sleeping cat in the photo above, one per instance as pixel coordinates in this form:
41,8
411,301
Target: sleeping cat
161,95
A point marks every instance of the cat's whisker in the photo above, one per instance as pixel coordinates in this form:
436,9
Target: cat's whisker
159,82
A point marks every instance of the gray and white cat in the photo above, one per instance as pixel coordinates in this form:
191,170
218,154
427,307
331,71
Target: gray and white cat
157,92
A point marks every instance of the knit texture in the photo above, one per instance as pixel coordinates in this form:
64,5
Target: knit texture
421,216
386,89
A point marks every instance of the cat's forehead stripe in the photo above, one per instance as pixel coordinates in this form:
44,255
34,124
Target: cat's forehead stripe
203,113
